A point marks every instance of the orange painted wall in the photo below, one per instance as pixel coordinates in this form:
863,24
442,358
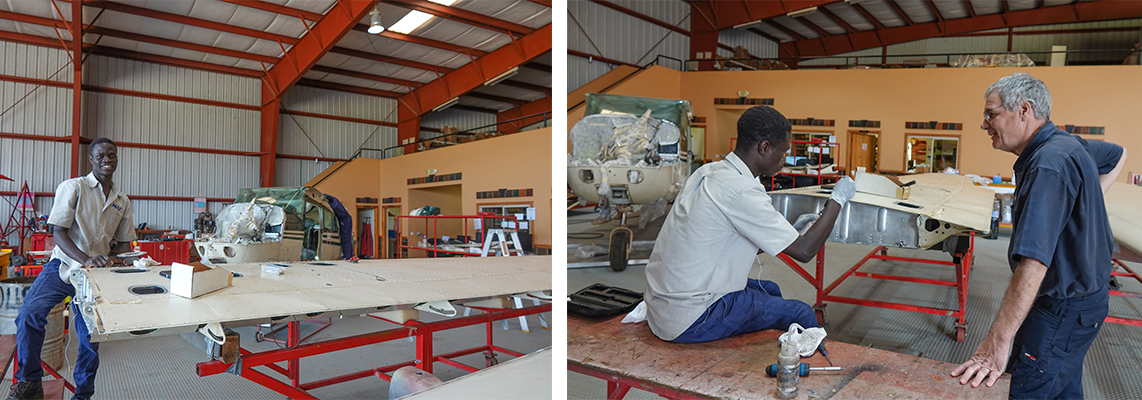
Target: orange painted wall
1106,96
517,161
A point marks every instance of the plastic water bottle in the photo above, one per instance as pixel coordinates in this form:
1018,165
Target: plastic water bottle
787,377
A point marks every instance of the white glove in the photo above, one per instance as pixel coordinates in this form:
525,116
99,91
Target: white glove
805,221
843,190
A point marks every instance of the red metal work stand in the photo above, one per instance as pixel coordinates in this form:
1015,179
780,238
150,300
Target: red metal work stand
262,336
16,363
961,261
422,331
1129,273
618,386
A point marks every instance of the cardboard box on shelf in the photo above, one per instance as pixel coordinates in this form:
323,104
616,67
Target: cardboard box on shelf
195,279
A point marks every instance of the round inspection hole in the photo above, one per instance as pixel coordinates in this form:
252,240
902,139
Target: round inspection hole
143,332
165,274
128,270
321,263
236,275
143,290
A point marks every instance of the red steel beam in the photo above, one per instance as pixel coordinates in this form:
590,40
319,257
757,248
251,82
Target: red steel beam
472,75
786,30
340,118
539,106
967,5
423,41
191,21
319,39
528,86
388,59
721,15
1080,12
76,48
546,3
184,149
31,19
34,81
30,39
809,24
867,16
501,99
157,96
180,44
175,62
277,9
349,88
644,17
362,75
900,12
836,19
603,59
461,15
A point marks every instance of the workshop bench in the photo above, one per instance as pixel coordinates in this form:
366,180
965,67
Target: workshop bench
53,389
630,356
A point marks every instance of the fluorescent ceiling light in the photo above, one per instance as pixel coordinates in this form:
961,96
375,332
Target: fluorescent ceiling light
501,77
414,19
854,1
444,2
447,104
803,11
747,24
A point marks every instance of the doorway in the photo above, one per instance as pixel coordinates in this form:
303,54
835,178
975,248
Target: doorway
863,148
389,245
367,233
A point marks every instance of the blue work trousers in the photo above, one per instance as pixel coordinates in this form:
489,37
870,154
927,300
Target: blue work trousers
1047,354
47,291
757,307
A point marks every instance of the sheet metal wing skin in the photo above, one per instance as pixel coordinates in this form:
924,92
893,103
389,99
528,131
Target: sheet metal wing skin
1122,208
940,206
306,289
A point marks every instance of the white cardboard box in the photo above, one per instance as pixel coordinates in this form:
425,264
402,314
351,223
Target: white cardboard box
196,279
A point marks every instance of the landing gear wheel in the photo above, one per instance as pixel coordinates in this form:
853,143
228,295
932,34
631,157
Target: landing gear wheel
490,359
259,337
620,248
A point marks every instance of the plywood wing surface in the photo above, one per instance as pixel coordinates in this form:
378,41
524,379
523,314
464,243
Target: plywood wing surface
1122,208
305,288
945,197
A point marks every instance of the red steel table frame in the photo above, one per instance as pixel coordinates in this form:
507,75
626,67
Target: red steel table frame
961,261
422,331
618,386
1129,273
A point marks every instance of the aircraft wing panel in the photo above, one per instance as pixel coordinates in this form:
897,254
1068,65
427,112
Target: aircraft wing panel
305,289
1122,208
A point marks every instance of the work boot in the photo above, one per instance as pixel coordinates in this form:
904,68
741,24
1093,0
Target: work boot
27,390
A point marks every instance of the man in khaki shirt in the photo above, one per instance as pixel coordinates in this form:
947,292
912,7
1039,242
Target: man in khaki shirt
87,214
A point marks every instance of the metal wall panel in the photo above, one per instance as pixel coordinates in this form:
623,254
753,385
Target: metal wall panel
758,46
171,123
170,214
1123,40
182,174
322,101
46,111
621,37
955,45
37,62
146,77
581,71
868,56
42,164
462,120
298,172
335,139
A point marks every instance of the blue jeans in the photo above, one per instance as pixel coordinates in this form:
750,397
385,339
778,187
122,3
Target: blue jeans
757,307
47,291
1047,354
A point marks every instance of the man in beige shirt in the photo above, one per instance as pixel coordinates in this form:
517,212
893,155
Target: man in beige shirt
87,214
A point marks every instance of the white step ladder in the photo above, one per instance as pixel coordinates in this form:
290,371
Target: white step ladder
503,249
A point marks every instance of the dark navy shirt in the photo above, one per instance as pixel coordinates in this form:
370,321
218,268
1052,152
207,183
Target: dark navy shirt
1059,214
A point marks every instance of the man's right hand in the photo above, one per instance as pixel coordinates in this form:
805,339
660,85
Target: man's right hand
99,261
843,190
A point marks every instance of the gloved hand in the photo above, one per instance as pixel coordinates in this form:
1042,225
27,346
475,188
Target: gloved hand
843,190
804,221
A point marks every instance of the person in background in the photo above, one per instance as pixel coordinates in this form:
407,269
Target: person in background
346,230
698,284
88,213
1060,248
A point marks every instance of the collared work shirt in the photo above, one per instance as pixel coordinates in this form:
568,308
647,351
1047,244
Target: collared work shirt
709,242
92,219
1059,214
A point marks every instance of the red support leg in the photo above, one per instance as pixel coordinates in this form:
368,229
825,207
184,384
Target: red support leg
294,333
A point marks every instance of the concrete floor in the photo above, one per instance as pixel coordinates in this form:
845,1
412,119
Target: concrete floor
163,367
1109,371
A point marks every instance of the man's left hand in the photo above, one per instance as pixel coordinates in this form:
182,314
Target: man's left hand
988,363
